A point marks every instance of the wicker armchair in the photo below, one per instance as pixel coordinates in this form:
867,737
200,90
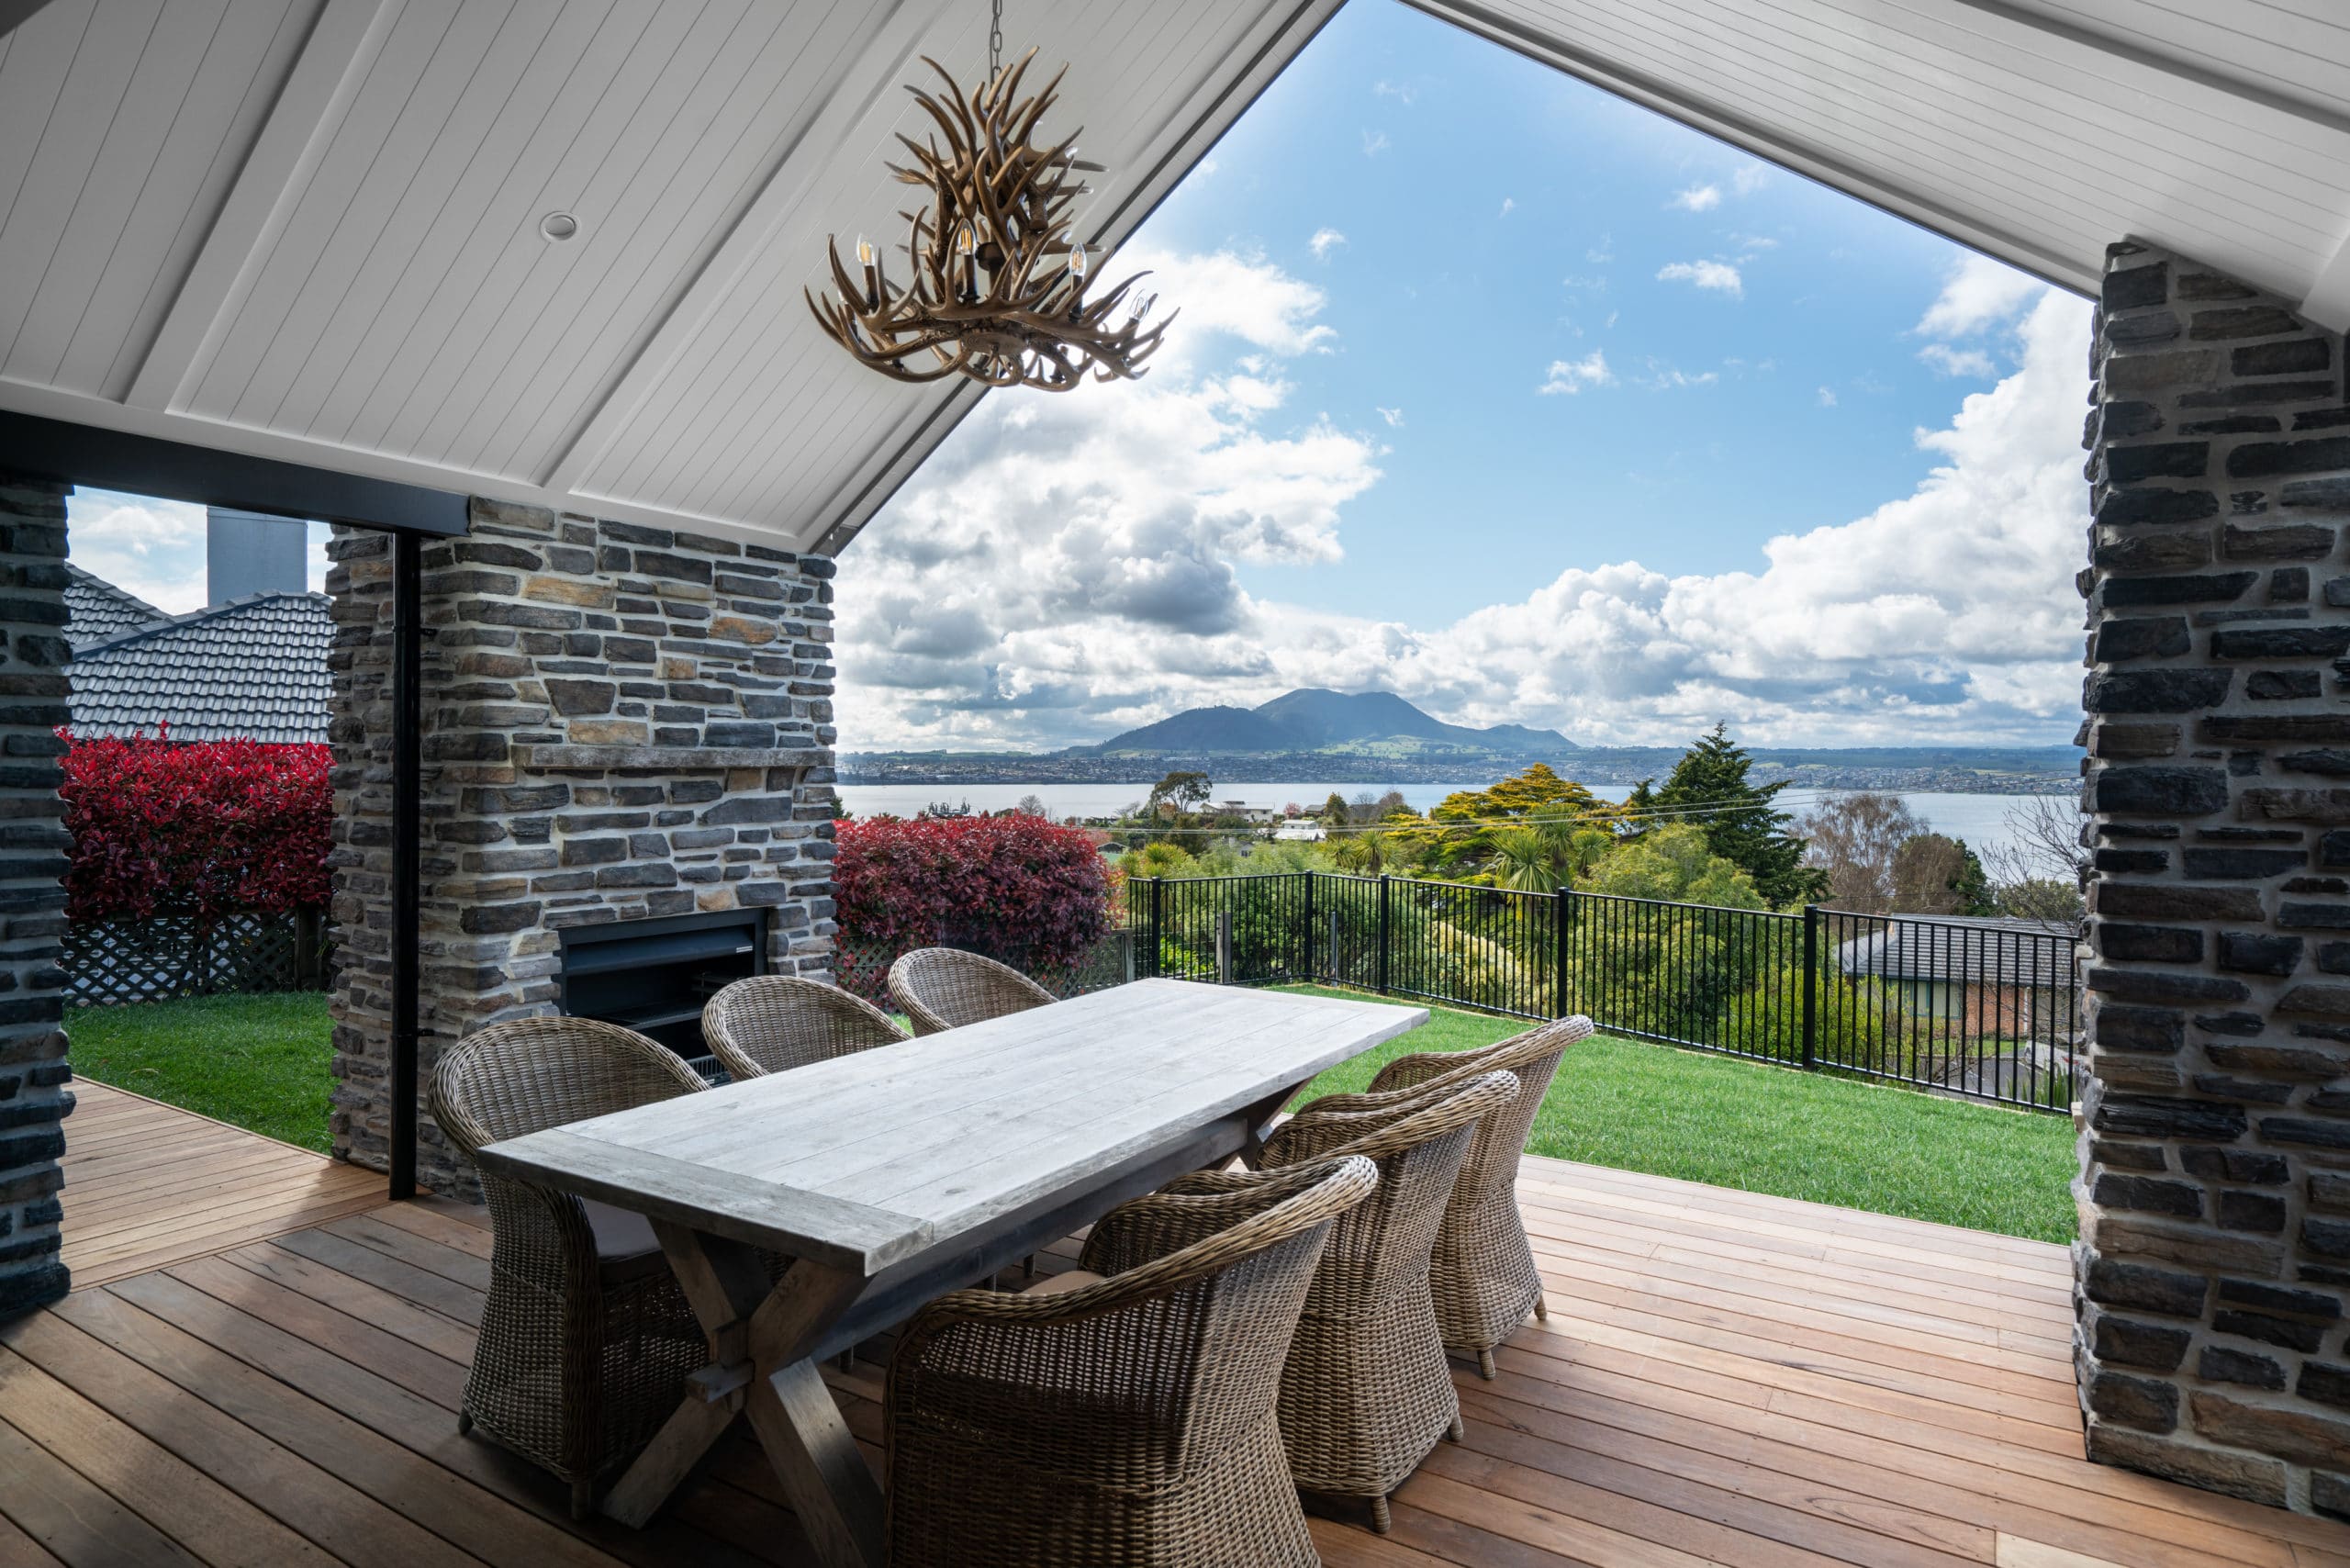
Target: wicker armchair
1366,1393
945,987
1483,1276
1129,1420
775,1023
586,1336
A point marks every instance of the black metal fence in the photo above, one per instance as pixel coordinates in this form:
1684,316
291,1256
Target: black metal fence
1988,1009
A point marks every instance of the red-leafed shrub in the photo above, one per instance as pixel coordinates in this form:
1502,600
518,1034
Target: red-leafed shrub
202,830
1015,887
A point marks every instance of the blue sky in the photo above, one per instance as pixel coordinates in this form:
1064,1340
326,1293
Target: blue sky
1497,217
1499,392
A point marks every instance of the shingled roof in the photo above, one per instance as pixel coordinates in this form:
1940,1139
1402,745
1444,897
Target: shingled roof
96,609
253,667
1972,949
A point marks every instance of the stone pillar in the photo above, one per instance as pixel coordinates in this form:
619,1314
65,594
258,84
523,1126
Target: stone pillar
2214,1259
620,723
359,729
34,1099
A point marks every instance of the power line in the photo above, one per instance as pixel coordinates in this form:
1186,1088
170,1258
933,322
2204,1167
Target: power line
1599,817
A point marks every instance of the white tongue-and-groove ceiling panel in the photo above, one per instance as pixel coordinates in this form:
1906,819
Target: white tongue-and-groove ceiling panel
2041,130
311,229
121,128
739,390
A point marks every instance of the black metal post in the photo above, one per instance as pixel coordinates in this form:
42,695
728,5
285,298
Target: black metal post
1309,926
1560,915
1382,934
1157,886
408,618
1810,985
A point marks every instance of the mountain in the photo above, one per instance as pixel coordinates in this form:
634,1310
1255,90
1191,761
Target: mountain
1317,720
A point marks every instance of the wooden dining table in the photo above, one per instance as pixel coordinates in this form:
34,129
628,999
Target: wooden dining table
890,1176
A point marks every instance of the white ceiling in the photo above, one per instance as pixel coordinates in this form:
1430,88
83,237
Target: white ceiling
2037,131
310,228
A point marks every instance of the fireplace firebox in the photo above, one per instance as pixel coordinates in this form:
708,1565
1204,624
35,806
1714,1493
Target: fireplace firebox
655,975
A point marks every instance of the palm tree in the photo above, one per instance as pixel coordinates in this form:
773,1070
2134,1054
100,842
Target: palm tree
1525,858
1367,853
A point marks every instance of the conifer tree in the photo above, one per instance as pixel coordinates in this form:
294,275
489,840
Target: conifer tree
1708,788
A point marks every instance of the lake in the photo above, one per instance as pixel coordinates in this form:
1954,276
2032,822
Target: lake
1981,820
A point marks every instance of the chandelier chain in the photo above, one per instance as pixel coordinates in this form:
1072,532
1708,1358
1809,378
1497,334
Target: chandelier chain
995,39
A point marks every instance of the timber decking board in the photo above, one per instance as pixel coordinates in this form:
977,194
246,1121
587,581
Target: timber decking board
148,1185
1683,1406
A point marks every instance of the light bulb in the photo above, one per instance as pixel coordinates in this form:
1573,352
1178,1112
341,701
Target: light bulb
966,242
864,251
1077,263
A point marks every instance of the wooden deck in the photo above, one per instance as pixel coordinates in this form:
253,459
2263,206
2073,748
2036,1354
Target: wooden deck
1724,1378
148,1185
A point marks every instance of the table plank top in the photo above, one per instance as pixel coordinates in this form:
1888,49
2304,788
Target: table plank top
868,1158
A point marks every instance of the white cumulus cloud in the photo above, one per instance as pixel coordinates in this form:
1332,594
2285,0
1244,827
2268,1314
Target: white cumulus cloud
1957,361
1978,293
1719,277
155,549
1664,377
1697,198
1571,376
151,548
1064,569
1325,240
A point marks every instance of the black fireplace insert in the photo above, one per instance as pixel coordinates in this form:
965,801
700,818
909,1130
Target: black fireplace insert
655,975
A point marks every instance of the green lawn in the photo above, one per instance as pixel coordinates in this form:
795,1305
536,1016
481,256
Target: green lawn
1637,1106
259,1061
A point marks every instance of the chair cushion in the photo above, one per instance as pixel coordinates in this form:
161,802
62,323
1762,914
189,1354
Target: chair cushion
1068,1279
626,1247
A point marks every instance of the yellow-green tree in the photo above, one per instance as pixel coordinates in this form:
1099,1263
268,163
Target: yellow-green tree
1459,839
1675,864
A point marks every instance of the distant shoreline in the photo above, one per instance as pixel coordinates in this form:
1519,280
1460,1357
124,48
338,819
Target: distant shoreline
2048,770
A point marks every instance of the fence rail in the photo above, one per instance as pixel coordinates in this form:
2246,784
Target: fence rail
1986,1009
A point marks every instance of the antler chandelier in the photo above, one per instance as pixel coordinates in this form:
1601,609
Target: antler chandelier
998,284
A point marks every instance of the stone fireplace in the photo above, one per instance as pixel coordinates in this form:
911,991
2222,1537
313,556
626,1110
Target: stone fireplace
620,724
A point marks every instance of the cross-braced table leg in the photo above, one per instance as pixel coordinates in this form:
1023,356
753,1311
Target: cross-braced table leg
759,1340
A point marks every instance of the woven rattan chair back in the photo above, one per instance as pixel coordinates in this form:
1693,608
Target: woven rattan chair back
775,1023
529,1074
945,987
572,1369
1128,1421
1483,1276
1420,1146
1366,1392
1534,1056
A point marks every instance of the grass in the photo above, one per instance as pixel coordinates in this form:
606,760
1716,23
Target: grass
260,1062
1637,1106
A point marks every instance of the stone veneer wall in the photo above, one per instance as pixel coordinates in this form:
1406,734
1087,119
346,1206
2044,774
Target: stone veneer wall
34,1099
2214,1258
619,723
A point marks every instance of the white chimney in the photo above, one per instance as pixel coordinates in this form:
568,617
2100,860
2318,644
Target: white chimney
248,553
